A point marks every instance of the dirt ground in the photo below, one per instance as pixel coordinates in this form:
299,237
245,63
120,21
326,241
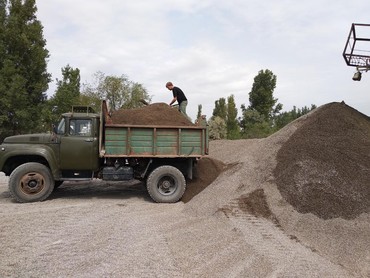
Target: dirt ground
295,204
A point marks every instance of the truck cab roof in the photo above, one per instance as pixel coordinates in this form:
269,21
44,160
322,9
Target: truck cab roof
82,111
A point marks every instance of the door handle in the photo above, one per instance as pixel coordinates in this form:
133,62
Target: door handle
88,140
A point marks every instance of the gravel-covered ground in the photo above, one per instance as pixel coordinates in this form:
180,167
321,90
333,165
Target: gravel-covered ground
259,208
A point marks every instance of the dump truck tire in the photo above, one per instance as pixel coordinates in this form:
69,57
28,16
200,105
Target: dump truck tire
31,182
166,184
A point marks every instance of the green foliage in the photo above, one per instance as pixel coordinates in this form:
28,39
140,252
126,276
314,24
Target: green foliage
233,130
261,96
135,92
217,128
285,118
260,119
220,109
23,68
253,124
199,114
66,94
118,90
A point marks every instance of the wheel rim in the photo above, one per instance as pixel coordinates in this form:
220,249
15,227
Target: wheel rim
32,183
167,185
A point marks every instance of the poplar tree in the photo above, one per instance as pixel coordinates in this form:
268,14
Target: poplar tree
199,114
220,109
23,67
261,97
233,130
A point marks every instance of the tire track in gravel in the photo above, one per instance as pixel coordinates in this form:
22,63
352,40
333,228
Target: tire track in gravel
202,246
288,256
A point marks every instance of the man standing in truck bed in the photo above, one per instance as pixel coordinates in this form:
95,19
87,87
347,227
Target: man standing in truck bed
179,96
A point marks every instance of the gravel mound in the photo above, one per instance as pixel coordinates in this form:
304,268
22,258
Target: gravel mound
324,167
154,114
310,181
320,164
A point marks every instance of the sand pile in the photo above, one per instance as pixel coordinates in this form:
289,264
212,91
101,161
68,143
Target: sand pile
324,167
153,114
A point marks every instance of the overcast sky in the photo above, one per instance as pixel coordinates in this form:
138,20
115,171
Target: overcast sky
211,48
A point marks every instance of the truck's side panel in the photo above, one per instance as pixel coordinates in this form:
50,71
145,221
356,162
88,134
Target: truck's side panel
141,141
116,141
155,142
167,141
191,142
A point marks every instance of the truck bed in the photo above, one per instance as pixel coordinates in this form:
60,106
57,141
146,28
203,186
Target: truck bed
120,140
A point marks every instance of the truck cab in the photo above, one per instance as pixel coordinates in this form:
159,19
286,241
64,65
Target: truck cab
77,138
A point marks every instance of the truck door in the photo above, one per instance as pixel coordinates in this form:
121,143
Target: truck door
78,146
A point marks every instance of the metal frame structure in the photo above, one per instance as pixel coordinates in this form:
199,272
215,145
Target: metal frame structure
352,53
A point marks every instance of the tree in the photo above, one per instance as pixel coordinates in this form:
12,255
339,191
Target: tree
23,67
134,95
258,120
118,90
253,124
3,100
91,94
217,128
67,93
261,96
285,118
232,124
199,114
220,109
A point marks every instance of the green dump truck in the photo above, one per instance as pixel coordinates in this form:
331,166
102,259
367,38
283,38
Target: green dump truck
87,145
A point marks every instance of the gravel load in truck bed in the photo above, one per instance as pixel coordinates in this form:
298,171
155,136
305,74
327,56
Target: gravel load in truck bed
160,114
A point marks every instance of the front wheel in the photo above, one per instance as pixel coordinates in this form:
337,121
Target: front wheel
166,184
31,182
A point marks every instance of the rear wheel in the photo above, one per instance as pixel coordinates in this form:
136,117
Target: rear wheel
31,182
166,184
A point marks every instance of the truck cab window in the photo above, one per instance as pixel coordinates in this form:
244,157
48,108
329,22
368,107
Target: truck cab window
79,127
61,126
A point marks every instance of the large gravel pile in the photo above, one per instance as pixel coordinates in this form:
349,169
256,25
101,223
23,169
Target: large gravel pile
324,167
295,204
311,180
